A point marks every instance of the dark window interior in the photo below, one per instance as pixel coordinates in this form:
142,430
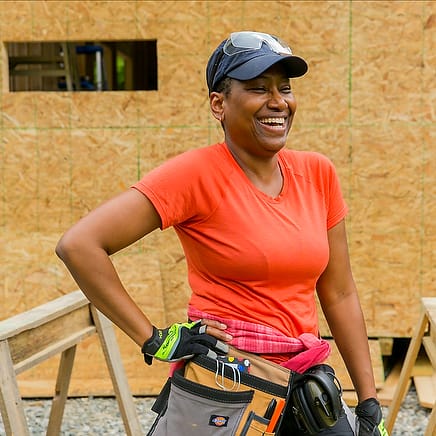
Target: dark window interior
83,66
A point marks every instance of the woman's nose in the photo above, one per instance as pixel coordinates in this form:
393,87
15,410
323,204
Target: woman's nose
277,100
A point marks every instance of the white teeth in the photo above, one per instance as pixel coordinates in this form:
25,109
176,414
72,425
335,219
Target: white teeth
278,120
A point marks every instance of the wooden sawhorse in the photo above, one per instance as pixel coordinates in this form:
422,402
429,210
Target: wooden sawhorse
425,334
56,327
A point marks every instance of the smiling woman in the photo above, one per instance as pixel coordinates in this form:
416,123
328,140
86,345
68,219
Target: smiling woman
257,114
262,228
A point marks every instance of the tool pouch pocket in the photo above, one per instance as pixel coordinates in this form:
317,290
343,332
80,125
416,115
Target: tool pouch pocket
207,397
194,409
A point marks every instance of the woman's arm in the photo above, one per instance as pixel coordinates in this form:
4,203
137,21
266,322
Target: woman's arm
85,250
341,306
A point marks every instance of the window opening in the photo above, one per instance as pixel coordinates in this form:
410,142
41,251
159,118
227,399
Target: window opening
82,66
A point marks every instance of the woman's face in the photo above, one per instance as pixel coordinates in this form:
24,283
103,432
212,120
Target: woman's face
257,114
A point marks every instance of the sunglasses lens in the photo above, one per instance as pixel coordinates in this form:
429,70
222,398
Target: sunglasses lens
240,42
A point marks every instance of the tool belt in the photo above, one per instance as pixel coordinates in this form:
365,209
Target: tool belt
244,395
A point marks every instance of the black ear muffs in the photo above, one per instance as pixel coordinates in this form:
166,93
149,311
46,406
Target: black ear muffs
316,399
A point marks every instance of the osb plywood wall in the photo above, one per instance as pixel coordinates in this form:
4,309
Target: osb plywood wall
368,102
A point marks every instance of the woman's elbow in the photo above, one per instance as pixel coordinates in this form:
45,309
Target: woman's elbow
66,245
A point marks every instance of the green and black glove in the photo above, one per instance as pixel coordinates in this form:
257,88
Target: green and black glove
370,419
181,341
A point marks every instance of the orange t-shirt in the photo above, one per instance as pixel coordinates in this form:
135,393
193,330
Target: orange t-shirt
250,257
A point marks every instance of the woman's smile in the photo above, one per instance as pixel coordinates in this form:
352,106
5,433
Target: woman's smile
273,124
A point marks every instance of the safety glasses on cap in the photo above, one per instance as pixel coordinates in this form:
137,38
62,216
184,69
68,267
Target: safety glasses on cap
240,42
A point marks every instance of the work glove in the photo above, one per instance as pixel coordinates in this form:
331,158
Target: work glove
370,419
181,341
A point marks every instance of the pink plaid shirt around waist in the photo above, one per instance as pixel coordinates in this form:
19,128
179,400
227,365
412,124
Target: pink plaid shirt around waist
299,353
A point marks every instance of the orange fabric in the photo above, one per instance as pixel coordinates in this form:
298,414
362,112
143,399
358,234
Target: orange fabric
250,257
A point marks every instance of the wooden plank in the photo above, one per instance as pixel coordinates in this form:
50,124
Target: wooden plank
42,314
335,360
386,345
386,393
11,407
425,389
430,349
61,391
432,335
50,335
431,426
117,373
43,72
52,349
33,340
429,305
16,60
406,371
422,366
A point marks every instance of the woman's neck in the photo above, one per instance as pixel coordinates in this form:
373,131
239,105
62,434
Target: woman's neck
263,172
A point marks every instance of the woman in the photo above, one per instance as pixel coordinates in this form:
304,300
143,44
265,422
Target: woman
262,228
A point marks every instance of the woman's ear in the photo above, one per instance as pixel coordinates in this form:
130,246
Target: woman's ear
216,100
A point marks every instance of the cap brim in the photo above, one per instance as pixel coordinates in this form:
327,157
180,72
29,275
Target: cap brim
294,66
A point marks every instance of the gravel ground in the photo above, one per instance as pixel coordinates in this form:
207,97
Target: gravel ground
100,416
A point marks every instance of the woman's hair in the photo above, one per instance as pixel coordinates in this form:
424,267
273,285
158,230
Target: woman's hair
224,86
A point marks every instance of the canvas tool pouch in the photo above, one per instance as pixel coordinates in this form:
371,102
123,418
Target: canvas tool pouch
209,397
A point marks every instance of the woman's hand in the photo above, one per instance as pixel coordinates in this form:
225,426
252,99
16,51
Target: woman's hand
182,341
216,329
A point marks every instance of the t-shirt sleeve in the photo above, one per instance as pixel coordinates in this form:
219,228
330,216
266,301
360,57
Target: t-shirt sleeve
179,189
168,187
